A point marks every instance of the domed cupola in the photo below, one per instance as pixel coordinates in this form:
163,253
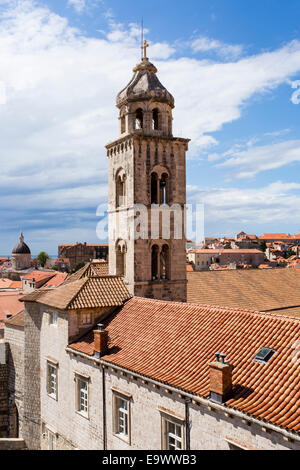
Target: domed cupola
145,104
21,255
21,247
144,85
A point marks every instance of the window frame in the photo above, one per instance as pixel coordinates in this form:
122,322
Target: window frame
84,315
53,366
118,396
167,419
52,316
53,436
81,378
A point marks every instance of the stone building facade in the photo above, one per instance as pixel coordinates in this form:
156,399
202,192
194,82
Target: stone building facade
84,394
14,335
203,259
79,253
4,412
147,195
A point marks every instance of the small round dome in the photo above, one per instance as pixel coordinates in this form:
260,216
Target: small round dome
21,247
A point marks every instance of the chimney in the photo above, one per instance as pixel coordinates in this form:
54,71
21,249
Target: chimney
100,341
220,378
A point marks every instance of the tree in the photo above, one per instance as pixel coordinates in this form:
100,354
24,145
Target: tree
263,246
42,258
79,266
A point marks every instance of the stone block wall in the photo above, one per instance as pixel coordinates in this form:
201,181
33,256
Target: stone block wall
4,422
15,336
32,379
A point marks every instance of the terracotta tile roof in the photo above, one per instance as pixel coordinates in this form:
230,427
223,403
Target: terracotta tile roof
5,283
99,268
16,320
16,285
9,304
173,342
279,236
55,281
38,276
226,251
88,292
256,289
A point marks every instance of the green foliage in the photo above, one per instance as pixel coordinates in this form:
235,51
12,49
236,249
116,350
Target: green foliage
42,258
79,266
262,246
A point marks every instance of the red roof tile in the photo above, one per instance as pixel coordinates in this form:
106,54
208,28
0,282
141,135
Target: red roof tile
173,343
55,281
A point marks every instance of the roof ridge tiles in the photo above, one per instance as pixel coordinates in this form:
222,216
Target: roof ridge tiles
216,307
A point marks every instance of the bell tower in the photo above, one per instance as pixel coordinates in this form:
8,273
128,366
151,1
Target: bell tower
147,190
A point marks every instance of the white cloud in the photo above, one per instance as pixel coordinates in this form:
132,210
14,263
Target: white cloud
57,111
295,98
227,51
79,5
277,203
249,162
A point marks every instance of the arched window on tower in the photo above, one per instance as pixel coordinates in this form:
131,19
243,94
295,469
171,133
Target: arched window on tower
154,183
163,187
154,262
120,189
121,258
164,262
155,122
139,119
123,124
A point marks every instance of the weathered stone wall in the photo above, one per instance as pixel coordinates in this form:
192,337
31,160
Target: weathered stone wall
59,416
16,337
12,444
209,428
4,423
138,156
32,371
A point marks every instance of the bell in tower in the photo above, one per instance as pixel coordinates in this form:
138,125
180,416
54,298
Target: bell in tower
147,177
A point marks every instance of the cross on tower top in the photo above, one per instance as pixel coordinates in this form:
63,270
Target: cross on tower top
144,49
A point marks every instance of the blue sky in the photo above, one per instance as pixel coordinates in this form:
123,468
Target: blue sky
233,67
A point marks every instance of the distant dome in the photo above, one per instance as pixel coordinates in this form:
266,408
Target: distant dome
21,247
144,86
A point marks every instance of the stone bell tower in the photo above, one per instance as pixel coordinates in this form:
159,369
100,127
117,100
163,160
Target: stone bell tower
147,191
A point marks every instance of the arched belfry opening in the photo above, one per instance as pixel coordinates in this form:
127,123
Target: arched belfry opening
139,119
154,262
155,119
160,262
163,186
160,186
120,188
154,186
164,262
121,250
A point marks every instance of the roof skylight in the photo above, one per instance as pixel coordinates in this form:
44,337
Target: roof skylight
264,355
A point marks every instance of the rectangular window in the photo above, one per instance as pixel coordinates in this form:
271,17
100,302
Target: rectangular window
121,415
53,317
86,318
51,441
82,395
52,380
173,433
